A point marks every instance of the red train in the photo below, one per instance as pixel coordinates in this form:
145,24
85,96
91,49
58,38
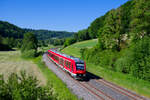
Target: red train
75,66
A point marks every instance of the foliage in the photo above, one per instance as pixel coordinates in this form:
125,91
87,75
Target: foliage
95,26
29,46
137,60
69,41
10,30
82,35
24,87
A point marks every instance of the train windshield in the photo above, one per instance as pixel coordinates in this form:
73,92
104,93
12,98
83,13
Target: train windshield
80,66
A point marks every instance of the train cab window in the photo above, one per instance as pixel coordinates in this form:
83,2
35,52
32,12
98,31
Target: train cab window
80,66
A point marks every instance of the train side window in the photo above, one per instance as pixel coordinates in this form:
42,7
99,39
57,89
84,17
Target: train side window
66,63
61,61
69,64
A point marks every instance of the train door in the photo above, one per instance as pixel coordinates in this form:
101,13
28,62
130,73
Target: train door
61,62
71,67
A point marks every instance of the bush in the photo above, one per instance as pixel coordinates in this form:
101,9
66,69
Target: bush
23,87
104,58
136,60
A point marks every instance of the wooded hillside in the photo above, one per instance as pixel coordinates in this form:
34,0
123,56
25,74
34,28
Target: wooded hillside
123,39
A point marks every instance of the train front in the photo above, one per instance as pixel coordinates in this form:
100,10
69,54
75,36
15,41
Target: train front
80,69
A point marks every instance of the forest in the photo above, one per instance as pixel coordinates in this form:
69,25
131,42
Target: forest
123,39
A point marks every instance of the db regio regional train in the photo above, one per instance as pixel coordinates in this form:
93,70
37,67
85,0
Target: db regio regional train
74,66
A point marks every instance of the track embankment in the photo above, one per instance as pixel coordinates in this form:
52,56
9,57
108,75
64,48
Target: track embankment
93,88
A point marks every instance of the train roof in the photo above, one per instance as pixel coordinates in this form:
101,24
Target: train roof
77,60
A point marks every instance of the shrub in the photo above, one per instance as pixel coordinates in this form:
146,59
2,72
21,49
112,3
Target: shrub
23,87
136,60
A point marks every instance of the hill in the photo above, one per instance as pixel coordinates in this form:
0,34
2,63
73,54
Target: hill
12,35
47,34
74,49
10,30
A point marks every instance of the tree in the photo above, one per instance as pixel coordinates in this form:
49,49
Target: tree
29,45
69,41
95,26
140,24
83,35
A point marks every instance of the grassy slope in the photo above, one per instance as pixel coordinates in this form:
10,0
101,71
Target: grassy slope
74,49
127,81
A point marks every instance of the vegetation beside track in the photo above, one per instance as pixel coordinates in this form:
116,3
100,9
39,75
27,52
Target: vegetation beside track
12,62
127,81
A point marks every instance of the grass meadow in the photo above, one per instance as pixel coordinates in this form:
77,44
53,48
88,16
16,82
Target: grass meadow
139,86
11,62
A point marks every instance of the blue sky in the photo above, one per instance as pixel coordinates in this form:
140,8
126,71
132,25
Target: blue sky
64,15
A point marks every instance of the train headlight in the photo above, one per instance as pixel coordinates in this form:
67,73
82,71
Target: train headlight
84,75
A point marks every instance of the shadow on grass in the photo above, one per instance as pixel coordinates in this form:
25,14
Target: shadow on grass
6,48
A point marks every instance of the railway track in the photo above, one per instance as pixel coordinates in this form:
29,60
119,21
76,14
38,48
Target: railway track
120,90
87,87
98,92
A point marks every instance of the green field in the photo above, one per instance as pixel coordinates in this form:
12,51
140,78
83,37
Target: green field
139,86
74,49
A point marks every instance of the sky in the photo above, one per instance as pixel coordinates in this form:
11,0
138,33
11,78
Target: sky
59,15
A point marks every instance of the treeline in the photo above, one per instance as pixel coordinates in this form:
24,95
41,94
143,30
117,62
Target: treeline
47,34
11,36
124,39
